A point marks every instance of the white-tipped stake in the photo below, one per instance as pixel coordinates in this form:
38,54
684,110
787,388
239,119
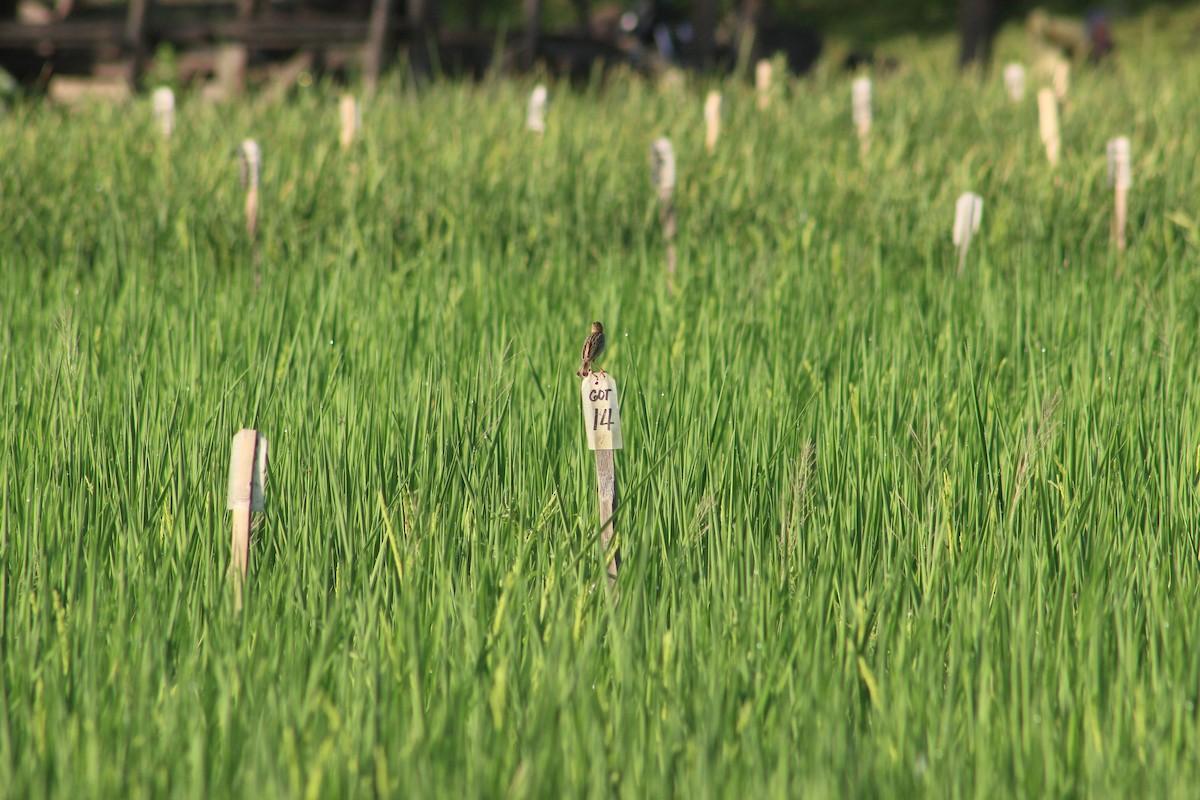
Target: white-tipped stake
712,120
662,168
535,118
1120,177
860,107
250,161
351,118
1048,125
968,213
247,496
163,103
763,73
1062,79
1014,82
602,423
662,171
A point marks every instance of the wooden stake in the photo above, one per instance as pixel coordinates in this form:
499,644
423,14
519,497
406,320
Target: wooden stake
968,213
1048,124
1014,82
602,423
662,168
163,103
712,120
535,118
351,118
860,105
247,497
1120,177
250,160
763,72
377,42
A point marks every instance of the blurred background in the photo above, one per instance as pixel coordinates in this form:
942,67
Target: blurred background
222,45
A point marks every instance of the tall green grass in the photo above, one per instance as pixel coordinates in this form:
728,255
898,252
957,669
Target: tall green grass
887,532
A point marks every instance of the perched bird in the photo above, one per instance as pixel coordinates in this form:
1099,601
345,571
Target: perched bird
593,348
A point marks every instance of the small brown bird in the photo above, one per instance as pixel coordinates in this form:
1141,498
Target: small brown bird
593,348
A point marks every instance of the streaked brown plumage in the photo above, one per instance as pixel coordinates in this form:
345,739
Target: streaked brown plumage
593,348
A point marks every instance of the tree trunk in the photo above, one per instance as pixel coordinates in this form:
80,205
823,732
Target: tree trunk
706,28
978,25
533,10
423,22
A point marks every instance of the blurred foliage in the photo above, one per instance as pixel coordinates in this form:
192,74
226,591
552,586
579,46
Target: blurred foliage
853,19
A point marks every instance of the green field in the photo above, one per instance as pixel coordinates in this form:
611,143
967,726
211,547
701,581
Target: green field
887,531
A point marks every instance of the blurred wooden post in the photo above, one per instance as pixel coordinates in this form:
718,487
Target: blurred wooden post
247,481
968,213
135,36
762,83
377,43
712,120
250,160
1048,125
351,120
860,107
1120,177
662,170
602,423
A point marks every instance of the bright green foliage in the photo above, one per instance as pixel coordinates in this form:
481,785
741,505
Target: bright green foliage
887,531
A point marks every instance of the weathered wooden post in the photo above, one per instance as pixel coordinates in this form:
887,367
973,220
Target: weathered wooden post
1014,82
535,117
1048,125
351,119
250,161
1120,177
662,170
860,106
712,120
247,484
162,102
602,423
763,72
968,213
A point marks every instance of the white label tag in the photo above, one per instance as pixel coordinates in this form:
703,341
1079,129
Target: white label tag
163,102
968,213
1014,81
351,117
662,167
258,483
1048,124
601,412
247,471
762,82
251,163
712,119
1120,173
860,104
535,118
